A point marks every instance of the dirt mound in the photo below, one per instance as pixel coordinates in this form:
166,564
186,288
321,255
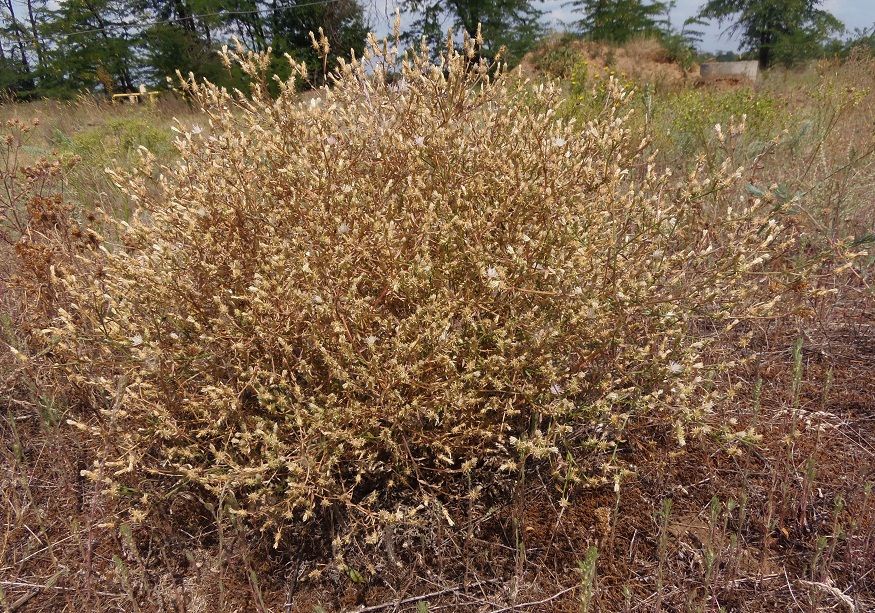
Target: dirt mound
644,60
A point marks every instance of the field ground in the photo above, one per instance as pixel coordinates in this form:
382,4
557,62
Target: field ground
781,520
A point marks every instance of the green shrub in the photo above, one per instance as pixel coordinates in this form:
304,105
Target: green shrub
557,56
591,89
112,141
118,138
358,303
689,117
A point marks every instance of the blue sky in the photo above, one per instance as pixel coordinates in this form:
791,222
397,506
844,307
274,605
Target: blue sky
854,13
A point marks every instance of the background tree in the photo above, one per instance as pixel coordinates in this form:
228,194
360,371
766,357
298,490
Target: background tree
172,47
861,40
342,22
58,49
16,52
513,24
95,41
682,45
616,21
776,30
180,37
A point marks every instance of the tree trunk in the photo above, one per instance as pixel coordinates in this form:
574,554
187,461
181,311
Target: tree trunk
765,49
16,27
37,42
184,16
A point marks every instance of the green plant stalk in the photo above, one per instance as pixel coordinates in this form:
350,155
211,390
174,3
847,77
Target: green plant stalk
662,549
587,577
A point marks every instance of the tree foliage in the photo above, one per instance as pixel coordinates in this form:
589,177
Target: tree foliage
782,31
343,25
512,24
616,21
95,44
61,48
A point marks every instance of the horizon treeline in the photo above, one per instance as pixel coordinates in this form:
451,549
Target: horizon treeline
58,49
62,48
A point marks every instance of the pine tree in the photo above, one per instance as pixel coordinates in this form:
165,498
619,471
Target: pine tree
512,24
616,21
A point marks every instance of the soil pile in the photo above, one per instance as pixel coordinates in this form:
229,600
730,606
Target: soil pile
644,60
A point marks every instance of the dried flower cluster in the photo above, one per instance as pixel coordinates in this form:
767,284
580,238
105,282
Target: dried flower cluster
417,277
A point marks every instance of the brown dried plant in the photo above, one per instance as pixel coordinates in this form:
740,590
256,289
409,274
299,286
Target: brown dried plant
347,307
41,241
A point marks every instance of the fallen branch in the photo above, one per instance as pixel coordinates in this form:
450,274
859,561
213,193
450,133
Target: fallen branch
398,603
57,588
22,601
534,604
748,580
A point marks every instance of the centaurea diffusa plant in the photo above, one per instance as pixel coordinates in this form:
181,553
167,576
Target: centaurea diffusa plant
422,277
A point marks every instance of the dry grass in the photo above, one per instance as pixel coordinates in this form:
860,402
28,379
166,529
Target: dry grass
430,347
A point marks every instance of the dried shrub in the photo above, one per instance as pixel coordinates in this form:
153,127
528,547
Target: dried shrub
416,280
41,240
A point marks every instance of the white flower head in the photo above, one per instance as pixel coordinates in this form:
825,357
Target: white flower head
559,141
196,129
675,368
493,277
